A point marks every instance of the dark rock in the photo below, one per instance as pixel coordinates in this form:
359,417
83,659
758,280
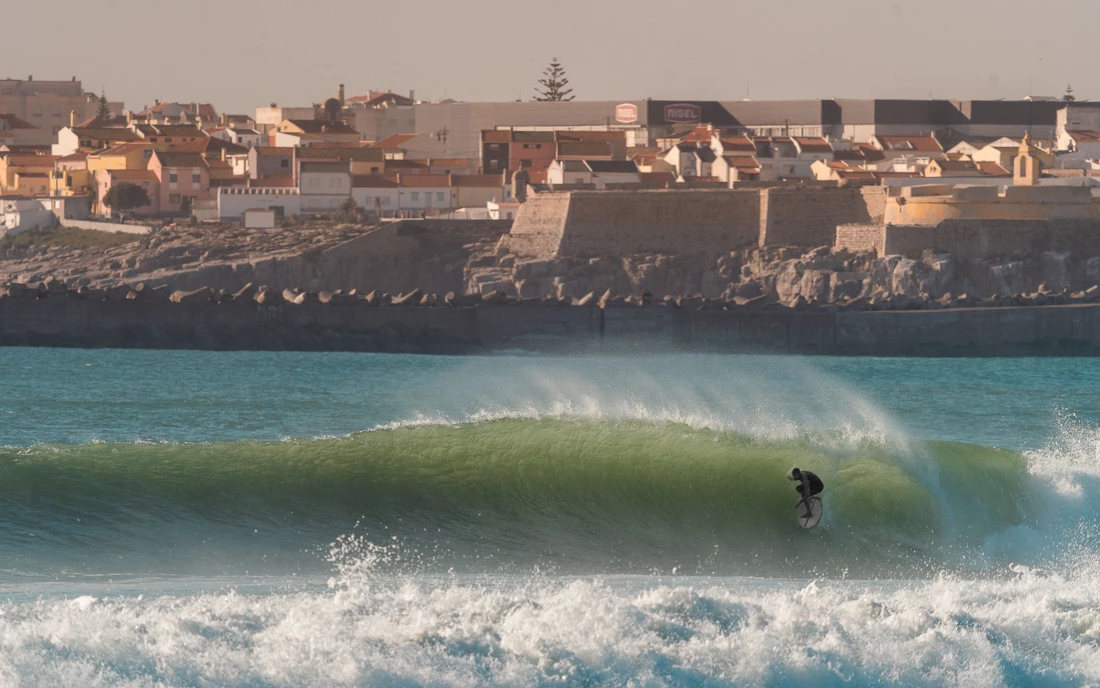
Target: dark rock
245,293
494,298
588,299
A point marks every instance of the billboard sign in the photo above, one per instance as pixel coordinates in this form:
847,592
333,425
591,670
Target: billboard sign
627,113
683,113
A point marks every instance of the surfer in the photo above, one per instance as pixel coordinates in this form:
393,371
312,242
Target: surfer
810,485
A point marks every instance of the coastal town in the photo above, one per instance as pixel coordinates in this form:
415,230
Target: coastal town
829,206
387,155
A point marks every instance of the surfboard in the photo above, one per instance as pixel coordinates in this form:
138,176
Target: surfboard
808,520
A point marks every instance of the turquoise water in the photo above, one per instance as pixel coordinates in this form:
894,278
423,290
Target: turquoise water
270,519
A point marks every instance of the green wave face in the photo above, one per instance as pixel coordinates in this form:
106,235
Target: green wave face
572,494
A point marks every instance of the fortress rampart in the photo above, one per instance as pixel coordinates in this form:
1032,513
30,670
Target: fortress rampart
705,221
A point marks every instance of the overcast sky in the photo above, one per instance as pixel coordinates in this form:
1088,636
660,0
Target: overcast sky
238,54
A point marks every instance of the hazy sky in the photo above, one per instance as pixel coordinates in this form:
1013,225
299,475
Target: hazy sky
238,54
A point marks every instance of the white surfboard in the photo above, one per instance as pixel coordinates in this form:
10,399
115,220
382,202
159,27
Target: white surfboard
810,519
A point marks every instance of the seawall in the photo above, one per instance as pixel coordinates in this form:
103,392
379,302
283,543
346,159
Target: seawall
68,322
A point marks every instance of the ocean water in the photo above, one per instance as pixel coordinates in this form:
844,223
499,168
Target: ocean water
292,519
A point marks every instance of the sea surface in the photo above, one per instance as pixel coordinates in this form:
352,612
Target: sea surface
303,519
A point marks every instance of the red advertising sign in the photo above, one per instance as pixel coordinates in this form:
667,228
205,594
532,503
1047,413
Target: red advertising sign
627,113
683,112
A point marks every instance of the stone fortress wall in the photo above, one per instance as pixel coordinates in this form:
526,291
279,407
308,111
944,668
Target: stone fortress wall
705,221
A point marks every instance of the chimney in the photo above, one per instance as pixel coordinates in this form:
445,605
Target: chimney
195,108
223,153
72,118
340,93
225,119
129,118
156,102
412,95
30,77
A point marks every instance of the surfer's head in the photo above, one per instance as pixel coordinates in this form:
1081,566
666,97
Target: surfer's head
795,474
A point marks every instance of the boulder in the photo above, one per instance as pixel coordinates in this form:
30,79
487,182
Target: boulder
429,300
200,295
1092,293
494,298
325,296
373,299
588,299
289,295
266,297
245,293
410,299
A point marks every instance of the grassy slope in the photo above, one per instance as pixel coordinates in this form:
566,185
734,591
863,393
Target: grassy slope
68,237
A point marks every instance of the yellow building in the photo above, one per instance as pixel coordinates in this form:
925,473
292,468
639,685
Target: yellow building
126,156
26,175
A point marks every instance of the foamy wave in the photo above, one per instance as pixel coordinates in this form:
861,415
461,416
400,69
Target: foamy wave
1016,629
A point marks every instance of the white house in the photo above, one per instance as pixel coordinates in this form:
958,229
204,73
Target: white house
324,186
18,215
248,138
375,193
425,192
233,201
1075,117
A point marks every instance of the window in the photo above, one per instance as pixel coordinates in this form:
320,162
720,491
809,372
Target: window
494,164
439,196
416,195
494,146
284,163
172,178
196,178
533,145
173,198
153,140
168,139
525,163
335,182
374,170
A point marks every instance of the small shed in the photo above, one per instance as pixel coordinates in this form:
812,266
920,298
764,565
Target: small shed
257,218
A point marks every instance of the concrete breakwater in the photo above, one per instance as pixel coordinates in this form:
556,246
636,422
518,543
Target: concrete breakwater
468,326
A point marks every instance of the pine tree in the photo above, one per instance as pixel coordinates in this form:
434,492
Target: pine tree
1069,97
554,85
103,114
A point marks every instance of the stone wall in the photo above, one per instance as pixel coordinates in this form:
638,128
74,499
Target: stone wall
610,223
862,238
978,239
809,216
705,221
115,227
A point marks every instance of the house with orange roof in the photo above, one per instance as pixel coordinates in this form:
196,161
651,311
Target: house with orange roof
183,178
146,179
428,193
124,156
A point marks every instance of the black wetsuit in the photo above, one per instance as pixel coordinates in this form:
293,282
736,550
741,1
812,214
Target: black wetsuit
811,480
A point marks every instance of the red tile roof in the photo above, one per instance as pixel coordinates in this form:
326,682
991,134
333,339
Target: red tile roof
496,136
395,141
372,181
740,144
1085,136
741,161
993,169
275,181
14,122
132,175
813,145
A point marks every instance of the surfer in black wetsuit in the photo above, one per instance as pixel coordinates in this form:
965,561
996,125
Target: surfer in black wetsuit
810,485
